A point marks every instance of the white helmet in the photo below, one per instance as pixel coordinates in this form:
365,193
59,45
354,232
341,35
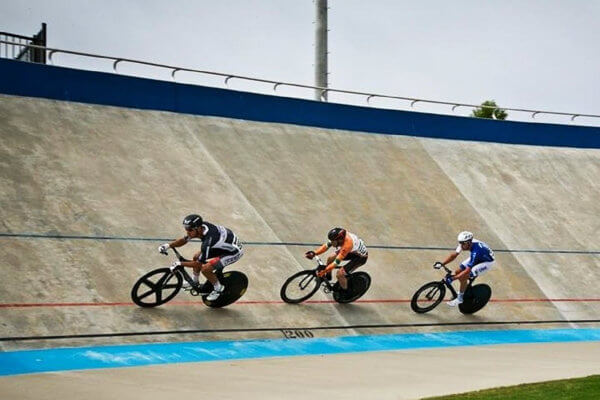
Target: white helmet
465,236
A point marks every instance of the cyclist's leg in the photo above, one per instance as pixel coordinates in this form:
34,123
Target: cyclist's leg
215,264
228,259
196,269
195,275
355,261
481,268
465,279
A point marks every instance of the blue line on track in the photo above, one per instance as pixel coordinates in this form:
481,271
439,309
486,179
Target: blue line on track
65,359
383,247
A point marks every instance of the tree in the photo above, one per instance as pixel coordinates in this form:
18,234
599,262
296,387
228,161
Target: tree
489,109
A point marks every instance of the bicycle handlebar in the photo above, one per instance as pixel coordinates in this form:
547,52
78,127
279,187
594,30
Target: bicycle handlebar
442,266
179,256
316,257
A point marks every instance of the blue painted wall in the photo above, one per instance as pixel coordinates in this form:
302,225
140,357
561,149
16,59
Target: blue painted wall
35,80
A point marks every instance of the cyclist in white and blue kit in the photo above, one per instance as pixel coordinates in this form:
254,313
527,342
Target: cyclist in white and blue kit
480,261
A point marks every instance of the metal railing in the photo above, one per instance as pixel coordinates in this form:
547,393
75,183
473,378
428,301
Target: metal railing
368,96
18,46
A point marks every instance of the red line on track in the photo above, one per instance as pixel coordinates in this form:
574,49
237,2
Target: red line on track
263,302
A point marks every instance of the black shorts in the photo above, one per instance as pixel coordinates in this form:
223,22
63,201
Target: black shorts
354,261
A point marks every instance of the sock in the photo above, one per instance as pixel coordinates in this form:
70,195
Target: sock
460,296
196,278
218,285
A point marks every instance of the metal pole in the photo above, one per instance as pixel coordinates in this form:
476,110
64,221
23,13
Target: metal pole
44,43
321,49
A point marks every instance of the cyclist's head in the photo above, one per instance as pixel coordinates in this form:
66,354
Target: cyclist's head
192,222
336,234
465,237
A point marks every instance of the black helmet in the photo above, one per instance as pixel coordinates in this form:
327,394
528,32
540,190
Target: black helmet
336,234
192,221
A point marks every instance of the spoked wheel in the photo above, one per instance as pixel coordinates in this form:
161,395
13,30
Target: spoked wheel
156,287
428,297
358,284
300,286
235,283
475,298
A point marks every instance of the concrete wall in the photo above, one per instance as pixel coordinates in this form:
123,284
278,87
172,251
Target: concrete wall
124,178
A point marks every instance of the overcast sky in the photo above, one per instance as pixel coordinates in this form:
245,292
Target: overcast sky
538,54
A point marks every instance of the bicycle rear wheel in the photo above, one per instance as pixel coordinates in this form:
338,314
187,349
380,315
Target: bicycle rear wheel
300,286
475,298
428,297
358,284
156,287
235,283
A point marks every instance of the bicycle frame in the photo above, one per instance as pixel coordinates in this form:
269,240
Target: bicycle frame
321,265
181,269
449,286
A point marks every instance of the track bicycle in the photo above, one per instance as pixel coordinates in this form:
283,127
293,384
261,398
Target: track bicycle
304,284
163,284
431,294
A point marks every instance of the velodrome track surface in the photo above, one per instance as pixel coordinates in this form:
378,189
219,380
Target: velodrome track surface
88,193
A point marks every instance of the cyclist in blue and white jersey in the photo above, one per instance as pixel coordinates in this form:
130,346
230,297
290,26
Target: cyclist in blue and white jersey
480,261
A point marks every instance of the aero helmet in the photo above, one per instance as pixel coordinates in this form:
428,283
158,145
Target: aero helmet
465,236
336,234
192,221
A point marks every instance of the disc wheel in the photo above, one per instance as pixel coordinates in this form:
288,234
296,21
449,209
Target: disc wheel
235,283
300,286
156,287
475,298
358,284
428,297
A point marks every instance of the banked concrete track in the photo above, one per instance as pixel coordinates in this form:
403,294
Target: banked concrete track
89,192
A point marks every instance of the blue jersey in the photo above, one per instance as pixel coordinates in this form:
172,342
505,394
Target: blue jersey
480,252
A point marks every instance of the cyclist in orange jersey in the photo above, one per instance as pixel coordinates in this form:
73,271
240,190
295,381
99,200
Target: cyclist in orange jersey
348,247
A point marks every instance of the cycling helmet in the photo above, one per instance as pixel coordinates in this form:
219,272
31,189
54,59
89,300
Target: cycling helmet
465,236
192,221
336,234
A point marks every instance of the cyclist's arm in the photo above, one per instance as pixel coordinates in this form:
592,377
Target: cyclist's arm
202,258
323,248
450,258
179,242
344,251
206,244
468,266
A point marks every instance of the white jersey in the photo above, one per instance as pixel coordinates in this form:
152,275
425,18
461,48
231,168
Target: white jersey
352,245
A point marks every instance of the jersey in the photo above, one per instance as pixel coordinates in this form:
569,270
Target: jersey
352,245
217,241
480,252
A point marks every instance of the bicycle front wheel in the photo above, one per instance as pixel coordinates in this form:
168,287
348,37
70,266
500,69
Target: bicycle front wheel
156,287
428,297
300,286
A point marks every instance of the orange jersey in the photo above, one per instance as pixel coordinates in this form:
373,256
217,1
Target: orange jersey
352,244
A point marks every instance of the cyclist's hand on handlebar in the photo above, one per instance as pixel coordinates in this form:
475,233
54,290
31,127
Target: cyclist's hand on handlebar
438,265
310,254
163,248
322,272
